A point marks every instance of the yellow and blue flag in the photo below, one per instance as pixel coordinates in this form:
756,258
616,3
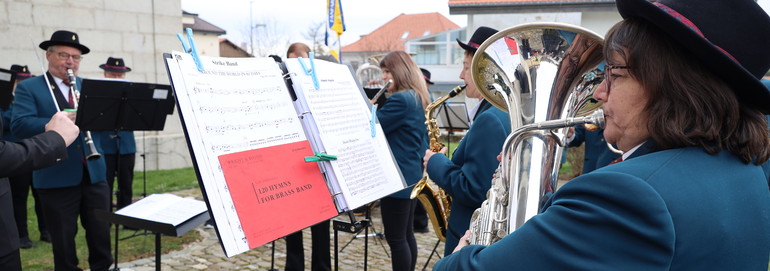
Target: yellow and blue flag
334,28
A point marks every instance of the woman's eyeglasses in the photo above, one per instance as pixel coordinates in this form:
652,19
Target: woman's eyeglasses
608,74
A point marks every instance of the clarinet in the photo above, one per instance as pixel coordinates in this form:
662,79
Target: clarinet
92,154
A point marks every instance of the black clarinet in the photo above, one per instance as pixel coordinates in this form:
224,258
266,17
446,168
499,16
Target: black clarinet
92,154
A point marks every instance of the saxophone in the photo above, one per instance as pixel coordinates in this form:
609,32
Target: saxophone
543,98
432,197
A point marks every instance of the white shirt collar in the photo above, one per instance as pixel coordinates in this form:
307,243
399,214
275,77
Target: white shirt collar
632,150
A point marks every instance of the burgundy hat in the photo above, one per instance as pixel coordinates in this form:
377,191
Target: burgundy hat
22,72
115,64
64,37
731,37
478,37
426,76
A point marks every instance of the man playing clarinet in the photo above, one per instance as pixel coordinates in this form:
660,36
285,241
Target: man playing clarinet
76,186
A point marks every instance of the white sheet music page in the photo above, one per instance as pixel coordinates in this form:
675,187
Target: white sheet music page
164,208
236,105
365,169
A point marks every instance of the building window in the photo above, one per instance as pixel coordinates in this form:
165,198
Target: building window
405,35
438,49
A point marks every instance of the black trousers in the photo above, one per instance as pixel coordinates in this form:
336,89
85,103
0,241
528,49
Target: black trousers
62,207
20,186
420,216
121,166
11,261
295,252
398,221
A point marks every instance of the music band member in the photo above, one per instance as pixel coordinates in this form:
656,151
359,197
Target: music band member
118,148
683,100
467,177
402,117
76,186
40,151
320,251
21,183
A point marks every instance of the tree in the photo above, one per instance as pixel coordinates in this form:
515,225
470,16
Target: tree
265,37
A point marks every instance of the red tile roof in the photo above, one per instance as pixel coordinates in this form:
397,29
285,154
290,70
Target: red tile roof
388,37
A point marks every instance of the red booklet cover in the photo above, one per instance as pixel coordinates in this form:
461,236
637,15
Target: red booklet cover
275,191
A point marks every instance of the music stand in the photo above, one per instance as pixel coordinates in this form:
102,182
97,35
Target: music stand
113,105
452,116
7,80
145,216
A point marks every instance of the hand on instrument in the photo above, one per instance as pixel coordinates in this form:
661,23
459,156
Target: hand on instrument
429,153
463,241
64,125
70,115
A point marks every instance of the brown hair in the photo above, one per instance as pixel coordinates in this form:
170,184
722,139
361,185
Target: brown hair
689,105
298,47
406,75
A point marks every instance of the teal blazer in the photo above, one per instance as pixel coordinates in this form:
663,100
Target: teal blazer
468,176
679,209
126,144
403,120
33,107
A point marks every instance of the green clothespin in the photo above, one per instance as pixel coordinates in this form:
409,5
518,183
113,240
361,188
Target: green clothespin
320,157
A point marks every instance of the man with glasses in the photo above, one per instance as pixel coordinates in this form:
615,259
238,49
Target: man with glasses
75,187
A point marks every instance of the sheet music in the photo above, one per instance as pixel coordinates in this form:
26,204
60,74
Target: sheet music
365,170
164,208
237,104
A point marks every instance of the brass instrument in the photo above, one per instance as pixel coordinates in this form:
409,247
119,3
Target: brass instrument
92,153
432,197
546,86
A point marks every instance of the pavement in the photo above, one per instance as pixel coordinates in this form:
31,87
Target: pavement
207,254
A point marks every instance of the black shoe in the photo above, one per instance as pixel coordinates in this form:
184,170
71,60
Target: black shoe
45,237
26,243
421,230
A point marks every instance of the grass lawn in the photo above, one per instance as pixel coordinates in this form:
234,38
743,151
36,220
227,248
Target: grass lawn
139,246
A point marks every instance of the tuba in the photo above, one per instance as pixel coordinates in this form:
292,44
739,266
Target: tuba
432,197
544,76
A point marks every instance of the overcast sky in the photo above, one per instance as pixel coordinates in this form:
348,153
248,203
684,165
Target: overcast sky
295,17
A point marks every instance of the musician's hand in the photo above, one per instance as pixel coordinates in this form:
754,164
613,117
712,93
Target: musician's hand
428,154
372,101
71,115
62,124
463,241
443,150
570,131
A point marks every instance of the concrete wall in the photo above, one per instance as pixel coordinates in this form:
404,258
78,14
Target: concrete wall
596,21
139,31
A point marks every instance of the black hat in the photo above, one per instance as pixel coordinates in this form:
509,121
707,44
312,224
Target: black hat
64,37
731,37
478,37
22,72
115,64
426,75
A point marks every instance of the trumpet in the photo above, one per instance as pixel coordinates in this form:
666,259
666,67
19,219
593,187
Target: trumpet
92,154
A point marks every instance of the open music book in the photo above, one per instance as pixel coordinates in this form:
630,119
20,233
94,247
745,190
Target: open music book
249,127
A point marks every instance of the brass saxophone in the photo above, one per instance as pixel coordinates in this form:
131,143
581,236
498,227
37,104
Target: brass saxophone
432,197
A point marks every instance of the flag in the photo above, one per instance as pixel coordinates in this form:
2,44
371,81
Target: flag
334,28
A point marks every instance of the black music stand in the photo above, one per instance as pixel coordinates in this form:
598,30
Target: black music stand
7,80
156,227
452,116
113,105
356,227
